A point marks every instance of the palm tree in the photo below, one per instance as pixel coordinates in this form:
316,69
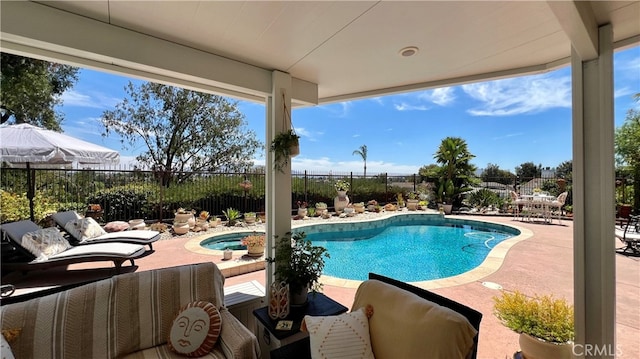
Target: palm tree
454,157
363,153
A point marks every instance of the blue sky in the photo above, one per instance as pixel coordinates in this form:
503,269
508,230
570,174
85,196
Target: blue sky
505,122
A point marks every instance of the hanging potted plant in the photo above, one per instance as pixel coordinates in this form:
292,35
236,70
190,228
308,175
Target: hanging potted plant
545,324
284,145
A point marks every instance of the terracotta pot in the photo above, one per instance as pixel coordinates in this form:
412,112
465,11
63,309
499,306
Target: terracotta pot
447,208
358,208
255,251
412,204
186,217
302,212
534,348
180,227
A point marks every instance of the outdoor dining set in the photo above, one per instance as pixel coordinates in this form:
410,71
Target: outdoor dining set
538,206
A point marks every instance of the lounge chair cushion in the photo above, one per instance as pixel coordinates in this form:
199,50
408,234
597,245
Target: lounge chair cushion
116,226
84,228
196,329
340,336
45,243
407,326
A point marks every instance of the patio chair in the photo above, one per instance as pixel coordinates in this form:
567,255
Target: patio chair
51,249
64,219
557,205
518,202
629,234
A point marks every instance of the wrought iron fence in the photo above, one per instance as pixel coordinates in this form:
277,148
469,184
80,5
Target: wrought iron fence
126,194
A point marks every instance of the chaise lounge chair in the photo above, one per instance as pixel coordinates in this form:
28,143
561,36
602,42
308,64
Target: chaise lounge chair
629,234
54,250
142,237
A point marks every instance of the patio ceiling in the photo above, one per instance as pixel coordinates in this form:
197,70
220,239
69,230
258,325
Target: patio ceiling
348,49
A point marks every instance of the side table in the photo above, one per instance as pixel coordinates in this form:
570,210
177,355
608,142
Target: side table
270,338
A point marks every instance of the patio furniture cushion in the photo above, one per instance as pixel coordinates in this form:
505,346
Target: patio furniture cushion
5,348
45,243
116,226
340,336
195,330
84,228
407,326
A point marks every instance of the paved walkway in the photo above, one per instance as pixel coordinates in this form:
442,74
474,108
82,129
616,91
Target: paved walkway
540,264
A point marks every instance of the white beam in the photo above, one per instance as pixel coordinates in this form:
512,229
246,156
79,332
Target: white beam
579,23
593,200
278,184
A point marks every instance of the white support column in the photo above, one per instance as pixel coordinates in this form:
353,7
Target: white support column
278,184
593,200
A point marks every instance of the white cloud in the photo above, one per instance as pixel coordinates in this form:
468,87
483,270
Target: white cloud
311,136
95,100
520,95
407,107
441,96
623,92
325,165
356,135
509,135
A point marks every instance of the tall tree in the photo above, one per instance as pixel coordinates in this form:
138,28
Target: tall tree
363,153
528,171
454,157
627,147
183,131
493,173
565,170
32,88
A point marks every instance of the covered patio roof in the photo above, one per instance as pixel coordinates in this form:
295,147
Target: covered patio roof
313,52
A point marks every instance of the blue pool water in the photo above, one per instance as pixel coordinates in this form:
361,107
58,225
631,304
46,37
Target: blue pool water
410,248
226,241
412,251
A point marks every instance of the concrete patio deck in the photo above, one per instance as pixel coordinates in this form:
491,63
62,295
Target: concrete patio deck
540,264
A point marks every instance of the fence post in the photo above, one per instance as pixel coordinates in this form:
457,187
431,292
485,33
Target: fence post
306,188
414,182
386,187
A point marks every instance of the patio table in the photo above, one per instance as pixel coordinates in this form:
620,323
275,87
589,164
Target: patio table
539,205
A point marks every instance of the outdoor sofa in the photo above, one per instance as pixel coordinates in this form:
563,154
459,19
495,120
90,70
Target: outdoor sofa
35,256
407,322
125,316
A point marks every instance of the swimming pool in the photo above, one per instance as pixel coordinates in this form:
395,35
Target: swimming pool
409,248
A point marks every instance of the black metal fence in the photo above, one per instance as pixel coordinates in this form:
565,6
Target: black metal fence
126,194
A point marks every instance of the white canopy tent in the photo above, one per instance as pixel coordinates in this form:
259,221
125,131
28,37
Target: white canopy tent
28,145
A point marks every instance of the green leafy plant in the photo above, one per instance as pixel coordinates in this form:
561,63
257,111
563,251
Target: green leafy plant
543,317
298,262
232,215
311,212
281,147
342,185
253,240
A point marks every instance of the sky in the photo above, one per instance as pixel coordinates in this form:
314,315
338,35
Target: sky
504,122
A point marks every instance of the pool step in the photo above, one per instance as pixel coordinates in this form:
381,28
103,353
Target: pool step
241,265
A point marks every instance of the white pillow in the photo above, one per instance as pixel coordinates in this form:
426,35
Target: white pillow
340,336
5,349
44,243
84,228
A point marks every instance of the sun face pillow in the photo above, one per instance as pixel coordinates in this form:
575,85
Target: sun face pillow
195,329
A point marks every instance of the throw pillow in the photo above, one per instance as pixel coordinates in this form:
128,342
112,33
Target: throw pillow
116,226
196,329
5,349
84,228
44,243
340,336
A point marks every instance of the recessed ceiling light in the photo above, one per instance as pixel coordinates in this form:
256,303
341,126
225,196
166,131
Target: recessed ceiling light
408,51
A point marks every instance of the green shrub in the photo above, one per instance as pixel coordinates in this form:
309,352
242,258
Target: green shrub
483,198
15,206
126,202
541,317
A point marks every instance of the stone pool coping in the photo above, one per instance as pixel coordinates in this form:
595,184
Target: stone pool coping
244,264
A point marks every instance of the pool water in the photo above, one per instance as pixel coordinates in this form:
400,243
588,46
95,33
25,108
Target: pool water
407,252
226,241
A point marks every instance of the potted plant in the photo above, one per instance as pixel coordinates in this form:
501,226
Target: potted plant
232,215
184,215
412,201
342,186
359,207
254,243
545,324
250,217
302,209
321,208
371,205
298,263
284,145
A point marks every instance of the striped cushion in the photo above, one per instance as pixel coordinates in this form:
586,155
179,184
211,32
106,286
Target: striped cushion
112,317
340,336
